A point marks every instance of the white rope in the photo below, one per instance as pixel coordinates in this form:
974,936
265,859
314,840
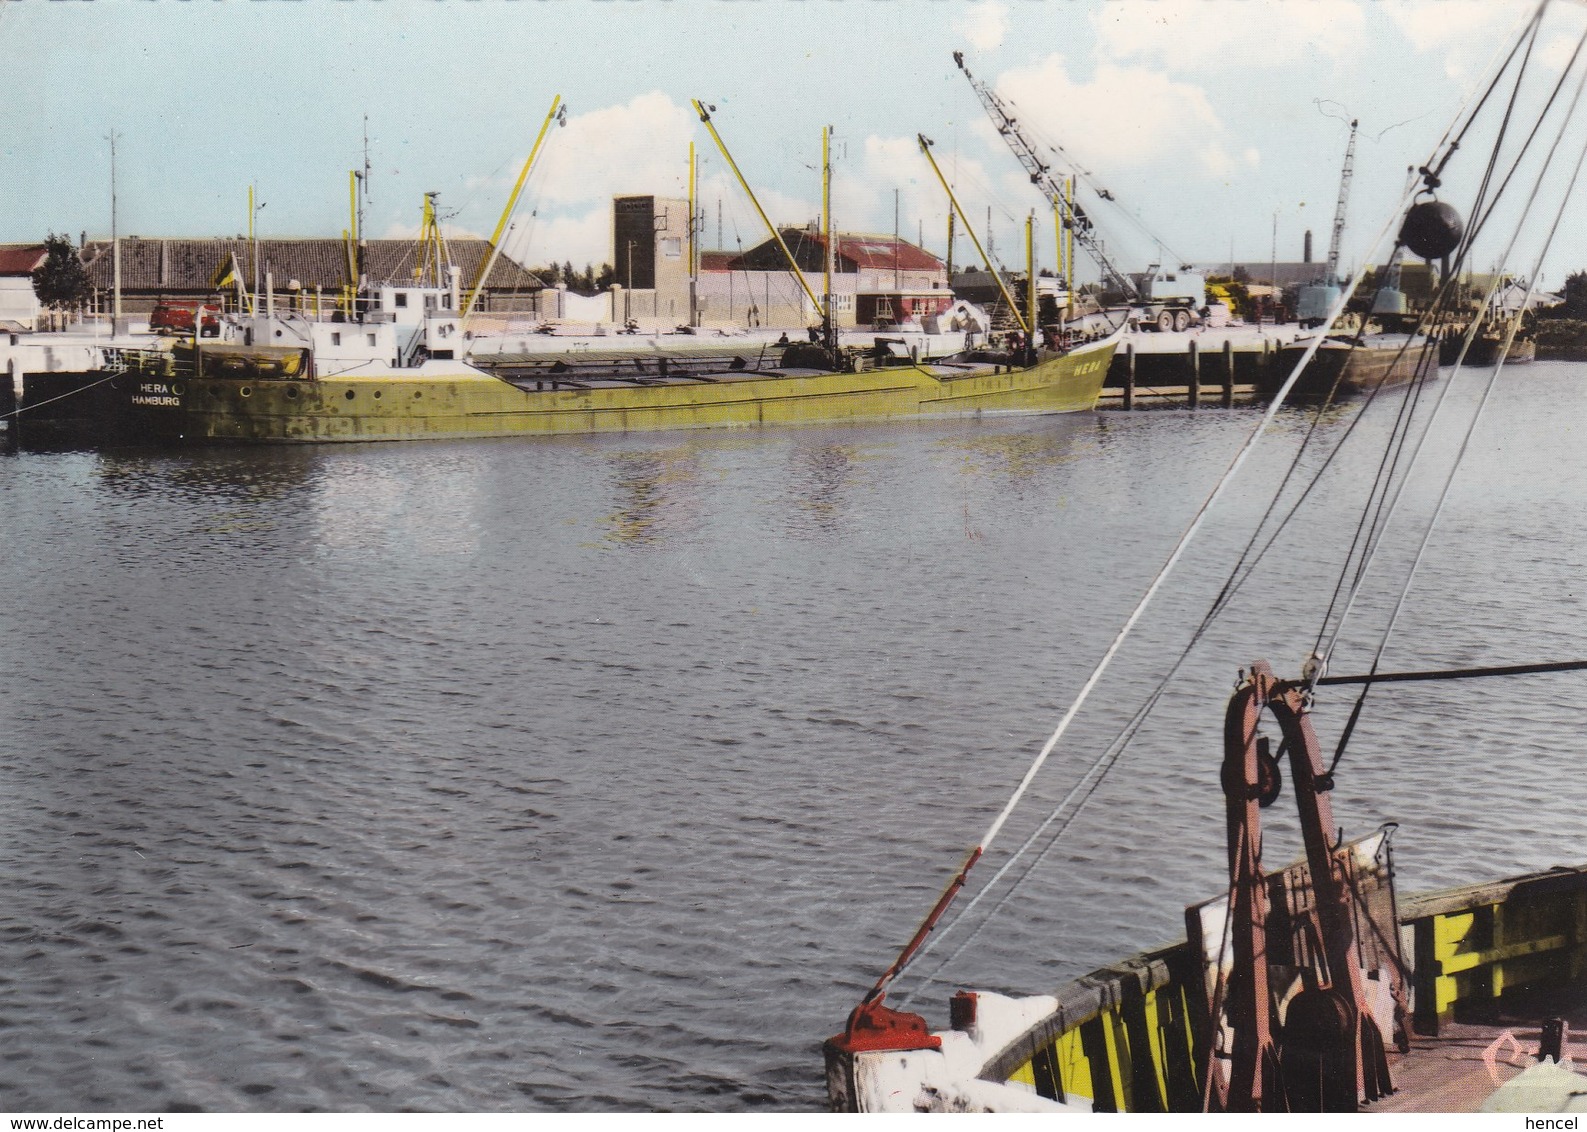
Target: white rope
1186,538
1370,553
1493,378
1178,551
1217,491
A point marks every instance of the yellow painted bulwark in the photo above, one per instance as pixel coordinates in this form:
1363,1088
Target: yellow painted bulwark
411,406
1078,1072
1480,952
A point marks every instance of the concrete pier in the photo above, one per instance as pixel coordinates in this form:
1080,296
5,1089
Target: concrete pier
1188,368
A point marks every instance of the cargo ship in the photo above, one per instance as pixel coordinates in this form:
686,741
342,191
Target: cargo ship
199,391
170,400
1346,366
1517,347
1487,349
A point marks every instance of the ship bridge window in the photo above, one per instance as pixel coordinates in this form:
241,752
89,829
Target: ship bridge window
371,338
402,298
336,338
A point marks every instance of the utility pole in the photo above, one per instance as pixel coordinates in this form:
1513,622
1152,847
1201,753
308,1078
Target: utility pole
115,243
1273,270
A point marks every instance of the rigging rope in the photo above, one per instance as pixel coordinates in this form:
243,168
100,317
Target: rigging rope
912,949
1459,673
1487,303
1367,535
1487,394
920,946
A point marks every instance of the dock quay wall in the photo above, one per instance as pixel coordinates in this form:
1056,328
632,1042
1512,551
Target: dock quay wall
1562,339
1197,367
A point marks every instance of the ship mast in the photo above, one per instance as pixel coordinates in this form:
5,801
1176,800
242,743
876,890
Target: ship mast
559,114
997,276
828,331
1030,285
115,244
694,247
357,197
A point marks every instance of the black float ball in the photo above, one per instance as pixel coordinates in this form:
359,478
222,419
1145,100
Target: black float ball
1432,229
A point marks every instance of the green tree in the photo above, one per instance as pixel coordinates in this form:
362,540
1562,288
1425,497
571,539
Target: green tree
1576,295
61,281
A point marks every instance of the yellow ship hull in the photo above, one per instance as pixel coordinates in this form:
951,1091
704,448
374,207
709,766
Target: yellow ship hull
430,405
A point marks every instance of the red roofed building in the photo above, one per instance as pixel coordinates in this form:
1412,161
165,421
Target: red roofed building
19,306
876,281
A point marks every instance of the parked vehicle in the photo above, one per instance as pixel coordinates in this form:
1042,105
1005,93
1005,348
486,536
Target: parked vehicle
178,318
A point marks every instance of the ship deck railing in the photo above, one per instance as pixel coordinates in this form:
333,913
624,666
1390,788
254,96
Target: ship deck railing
1486,965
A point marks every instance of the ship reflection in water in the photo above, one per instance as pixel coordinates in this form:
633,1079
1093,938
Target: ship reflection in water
659,494
819,478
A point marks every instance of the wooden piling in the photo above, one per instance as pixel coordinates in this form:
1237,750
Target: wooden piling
1129,376
1195,376
1228,374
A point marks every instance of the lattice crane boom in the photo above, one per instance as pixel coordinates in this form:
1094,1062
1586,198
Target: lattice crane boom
1073,217
1344,200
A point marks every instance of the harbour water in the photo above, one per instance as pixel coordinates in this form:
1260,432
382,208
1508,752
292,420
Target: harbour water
604,774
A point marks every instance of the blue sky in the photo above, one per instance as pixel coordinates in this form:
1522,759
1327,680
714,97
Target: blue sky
1206,119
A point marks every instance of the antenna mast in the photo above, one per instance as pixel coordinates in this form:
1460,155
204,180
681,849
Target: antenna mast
363,183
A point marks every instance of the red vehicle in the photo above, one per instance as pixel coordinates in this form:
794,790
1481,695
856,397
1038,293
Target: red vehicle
177,318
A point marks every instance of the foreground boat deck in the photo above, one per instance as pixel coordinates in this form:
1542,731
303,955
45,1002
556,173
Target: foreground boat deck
1473,973
1449,1073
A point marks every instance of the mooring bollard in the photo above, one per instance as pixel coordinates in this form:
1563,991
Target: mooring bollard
1228,374
1129,376
1195,376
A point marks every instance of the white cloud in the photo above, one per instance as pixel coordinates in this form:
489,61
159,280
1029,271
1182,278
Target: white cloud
641,146
578,238
984,25
1556,53
1124,117
1186,35
1463,32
